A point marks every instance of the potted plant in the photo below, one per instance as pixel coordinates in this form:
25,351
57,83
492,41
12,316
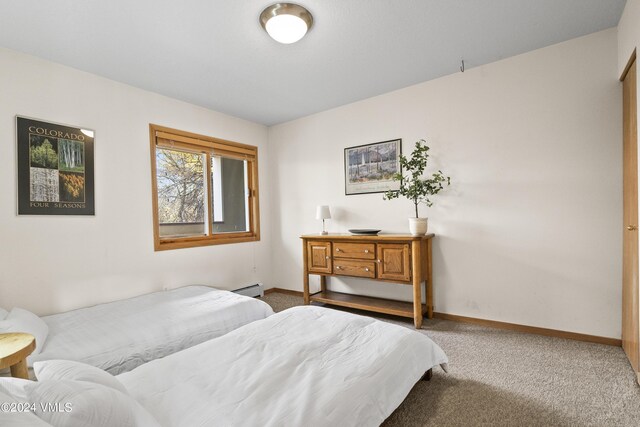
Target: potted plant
416,188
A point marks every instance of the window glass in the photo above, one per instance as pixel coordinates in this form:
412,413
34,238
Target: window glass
181,193
230,195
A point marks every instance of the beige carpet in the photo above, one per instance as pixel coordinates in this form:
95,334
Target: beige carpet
502,378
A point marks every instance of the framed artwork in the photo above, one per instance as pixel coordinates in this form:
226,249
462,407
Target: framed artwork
369,168
55,169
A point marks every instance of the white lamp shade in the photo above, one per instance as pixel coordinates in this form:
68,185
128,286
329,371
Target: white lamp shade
323,212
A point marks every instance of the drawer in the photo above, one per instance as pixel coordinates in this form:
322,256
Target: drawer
347,267
354,250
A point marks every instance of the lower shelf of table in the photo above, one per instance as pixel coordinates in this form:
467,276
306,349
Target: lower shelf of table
379,305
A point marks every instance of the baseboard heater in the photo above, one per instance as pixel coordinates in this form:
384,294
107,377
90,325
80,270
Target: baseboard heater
256,290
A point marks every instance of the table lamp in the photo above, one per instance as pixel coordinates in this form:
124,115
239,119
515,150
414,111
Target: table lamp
323,212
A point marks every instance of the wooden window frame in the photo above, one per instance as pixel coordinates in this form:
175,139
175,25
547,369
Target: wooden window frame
173,138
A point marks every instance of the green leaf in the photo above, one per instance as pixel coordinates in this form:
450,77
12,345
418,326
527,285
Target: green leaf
412,184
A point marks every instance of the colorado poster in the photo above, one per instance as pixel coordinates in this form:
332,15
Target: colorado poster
55,169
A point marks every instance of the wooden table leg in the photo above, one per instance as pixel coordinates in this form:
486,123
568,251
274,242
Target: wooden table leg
306,289
429,284
20,370
416,273
305,271
323,283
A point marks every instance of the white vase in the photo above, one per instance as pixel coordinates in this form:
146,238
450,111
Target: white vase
418,226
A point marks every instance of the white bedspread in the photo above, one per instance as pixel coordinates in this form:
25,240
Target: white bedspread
121,335
306,366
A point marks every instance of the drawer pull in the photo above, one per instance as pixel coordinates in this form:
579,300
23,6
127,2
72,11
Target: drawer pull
378,261
328,257
338,267
366,251
337,249
366,269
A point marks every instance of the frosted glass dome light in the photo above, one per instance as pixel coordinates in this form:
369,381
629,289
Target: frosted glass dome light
286,22
286,29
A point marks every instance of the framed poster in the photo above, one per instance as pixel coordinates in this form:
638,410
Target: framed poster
370,168
55,169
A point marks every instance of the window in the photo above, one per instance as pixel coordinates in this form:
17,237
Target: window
205,190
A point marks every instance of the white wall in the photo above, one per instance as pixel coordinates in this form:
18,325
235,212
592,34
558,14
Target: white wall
628,33
51,264
529,232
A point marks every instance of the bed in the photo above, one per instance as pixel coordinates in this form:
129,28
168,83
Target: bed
304,366
121,335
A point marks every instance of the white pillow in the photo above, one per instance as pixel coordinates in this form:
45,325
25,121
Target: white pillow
17,414
3,313
20,320
83,404
70,370
15,387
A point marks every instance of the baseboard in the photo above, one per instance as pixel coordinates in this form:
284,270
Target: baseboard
530,329
283,291
502,325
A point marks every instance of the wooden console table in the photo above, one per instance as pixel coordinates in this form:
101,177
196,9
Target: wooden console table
397,258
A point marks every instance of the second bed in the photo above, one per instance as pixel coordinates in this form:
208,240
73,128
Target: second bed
121,335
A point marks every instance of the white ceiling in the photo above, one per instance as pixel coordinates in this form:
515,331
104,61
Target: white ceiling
214,53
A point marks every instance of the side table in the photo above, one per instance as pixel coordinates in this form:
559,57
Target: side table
14,349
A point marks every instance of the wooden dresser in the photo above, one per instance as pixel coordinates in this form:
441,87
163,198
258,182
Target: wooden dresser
397,258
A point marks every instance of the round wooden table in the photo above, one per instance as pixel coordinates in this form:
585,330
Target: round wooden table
14,349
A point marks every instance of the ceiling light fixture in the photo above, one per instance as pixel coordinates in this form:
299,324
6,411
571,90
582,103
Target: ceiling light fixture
286,22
